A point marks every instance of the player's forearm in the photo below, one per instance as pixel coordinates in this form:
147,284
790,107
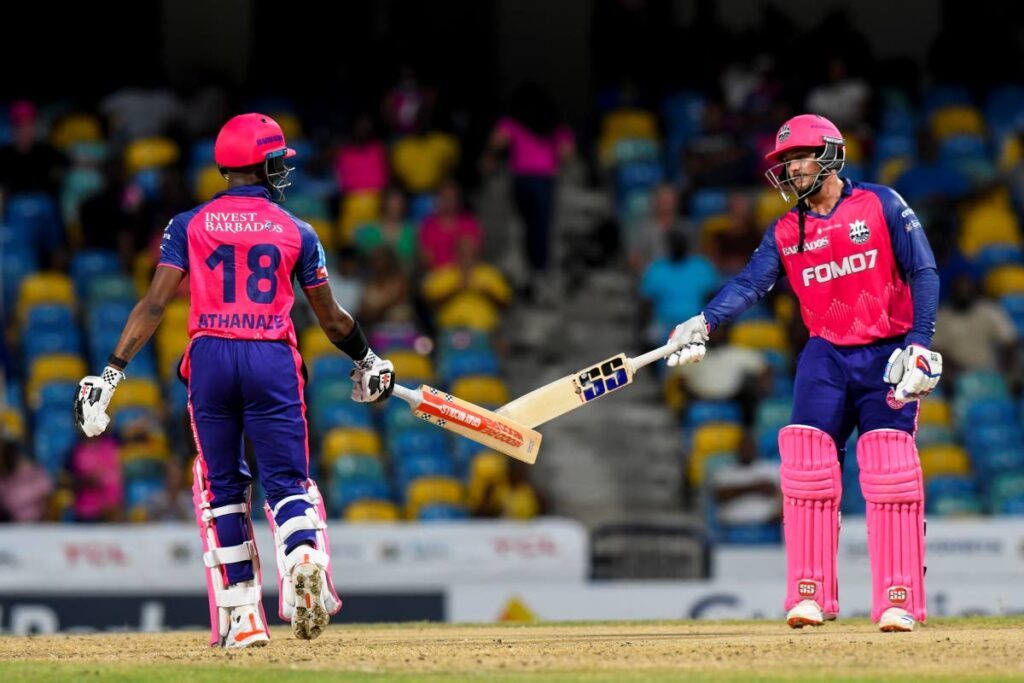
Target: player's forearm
141,325
924,290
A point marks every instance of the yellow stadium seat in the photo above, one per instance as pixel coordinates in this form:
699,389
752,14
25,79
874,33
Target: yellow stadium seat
854,149
412,366
957,120
371,511
350,441
74,129
155,448
488,475
13,425
290,125
480,389
176,314
944,459
522,502
432,490
357,208
716,437
143,393
988,225
892,169
324,231
55,367
146,153
769,206
1011,153
45,288
711,226
1004,280
624,124
759,334
208,182
314,344
934,411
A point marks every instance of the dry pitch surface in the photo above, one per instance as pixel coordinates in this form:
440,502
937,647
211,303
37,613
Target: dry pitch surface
973,649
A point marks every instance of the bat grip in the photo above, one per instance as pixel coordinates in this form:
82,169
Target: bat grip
411,396
655,355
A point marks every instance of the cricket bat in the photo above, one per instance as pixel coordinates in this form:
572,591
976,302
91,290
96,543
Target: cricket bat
569,393
499,433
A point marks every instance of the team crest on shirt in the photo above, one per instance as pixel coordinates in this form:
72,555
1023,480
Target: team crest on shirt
784,132
859,232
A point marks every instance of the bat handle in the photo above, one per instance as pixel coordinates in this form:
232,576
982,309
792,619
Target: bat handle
655,355
413,397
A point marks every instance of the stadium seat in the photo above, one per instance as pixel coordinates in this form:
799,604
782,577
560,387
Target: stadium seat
75,128
78,185
44,288
957,119
314,344
999,454
55,395
148,153
349,441
357,208
716,437
46,341
88,264
323,228
934,411
430,491
1014,305
310,208
346,492
483,391
206,182
768,335
459,364
55,435
411,367
371,511
702,412
398,417
422,464
488,474
112,287
441,512
1005,280
768,206
136,393
423,439
935,435
358,467
1005,492
944,460
330,367
768,444
987,226
345,413
987,411
55,367
708,202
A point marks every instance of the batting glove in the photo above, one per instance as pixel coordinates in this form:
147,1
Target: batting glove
913,372
373,379
692,334
94,394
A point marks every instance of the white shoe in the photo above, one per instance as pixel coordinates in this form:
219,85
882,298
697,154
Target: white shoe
896,619
311,616
246,629
805,613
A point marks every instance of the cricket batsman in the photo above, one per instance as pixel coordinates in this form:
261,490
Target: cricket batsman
865,276
244,374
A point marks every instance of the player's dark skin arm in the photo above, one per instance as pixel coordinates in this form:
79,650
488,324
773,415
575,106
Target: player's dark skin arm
148,313
335,321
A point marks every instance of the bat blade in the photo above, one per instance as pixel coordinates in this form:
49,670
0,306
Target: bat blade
570,392
497,432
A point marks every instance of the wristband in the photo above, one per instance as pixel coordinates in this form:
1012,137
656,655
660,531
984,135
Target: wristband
355,344
117,362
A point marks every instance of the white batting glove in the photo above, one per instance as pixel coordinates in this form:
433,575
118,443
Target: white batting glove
913,372
373,379
94,394
692,334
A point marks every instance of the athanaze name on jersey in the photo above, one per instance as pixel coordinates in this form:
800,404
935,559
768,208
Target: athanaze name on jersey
250,321
231,221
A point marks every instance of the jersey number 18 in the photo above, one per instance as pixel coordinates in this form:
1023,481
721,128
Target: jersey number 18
225,254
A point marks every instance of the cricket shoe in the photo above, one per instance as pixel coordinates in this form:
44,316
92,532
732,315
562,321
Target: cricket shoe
311,615
896,619
806,613
246,628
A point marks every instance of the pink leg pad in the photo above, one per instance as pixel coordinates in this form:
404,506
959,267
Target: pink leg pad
893,486
812,486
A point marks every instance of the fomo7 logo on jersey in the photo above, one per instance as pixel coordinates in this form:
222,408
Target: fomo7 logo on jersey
600,379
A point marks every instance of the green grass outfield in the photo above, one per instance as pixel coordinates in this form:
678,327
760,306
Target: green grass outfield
963,649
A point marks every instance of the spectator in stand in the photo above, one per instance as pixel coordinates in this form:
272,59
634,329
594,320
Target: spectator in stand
421,161
117,217
392,229
386,295
29,164
450,224
844,99
677,283
96,473
468,292
738,373
733,242
407,103
25,487
969,315
649,237
748,492
715,157
537,142
362,164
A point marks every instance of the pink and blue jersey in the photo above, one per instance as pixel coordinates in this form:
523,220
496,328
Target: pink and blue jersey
241,250
866,271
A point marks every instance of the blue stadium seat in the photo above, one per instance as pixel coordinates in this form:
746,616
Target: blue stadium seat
138,492
49,317
750,534
949,495
1006,492
112,287
17,261
425,464
638,175
464,363
708,202
91,263
341,414
960,148
683,113
939,96
357,467
981,384
426,439
1014,305
988,411
932,434
1004,109
893,145
463,453
350,490
995,255
176,394
440,512
54,436
56,396
330,366
768,445
35,344
456,339
700,412
38,214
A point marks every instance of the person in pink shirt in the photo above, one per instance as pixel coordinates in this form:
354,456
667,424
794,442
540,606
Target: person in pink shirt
442,230
25,487
362,164
864,274
537,143
99,489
